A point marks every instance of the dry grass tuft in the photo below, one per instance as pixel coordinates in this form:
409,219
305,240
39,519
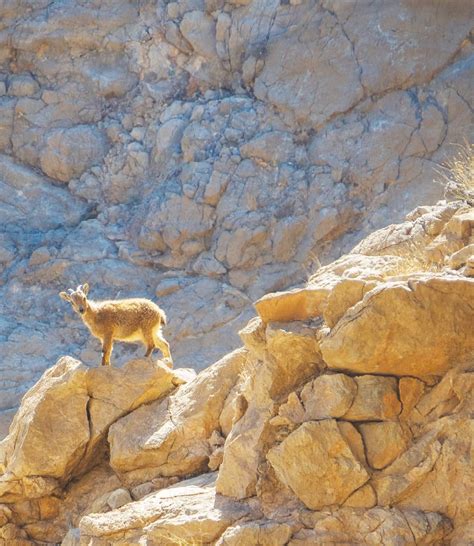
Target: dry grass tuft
457,174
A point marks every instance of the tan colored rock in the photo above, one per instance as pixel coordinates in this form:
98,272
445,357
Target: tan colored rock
429,315
49,434
292,411
384,442
377,526
170,437
344,295
248,439
263,533
461,257
354,440
448,487
185,512
294,355
329,395
118,498
410,390
330,473
297,304
253,337
407,472
364,497
376,399
215,459
291,356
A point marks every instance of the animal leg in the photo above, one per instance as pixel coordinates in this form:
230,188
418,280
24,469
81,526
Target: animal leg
150,343
107,346
163,345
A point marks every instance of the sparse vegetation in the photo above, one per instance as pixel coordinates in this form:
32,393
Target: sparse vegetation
457,174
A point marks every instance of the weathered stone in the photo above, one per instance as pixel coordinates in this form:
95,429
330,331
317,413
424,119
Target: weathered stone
377,526
331,472
329,395
69,152
264,533
343,296
50,432
410,390
376,399
362,498
291,368
170,437
180,512
297,304
400,342
384,442
118,498
407,472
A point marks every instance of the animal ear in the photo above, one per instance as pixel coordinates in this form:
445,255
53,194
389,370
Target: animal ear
85,288
64,296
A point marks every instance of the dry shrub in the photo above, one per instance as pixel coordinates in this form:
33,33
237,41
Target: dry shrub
457,174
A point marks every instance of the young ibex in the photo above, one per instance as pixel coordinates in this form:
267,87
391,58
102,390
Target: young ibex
128,320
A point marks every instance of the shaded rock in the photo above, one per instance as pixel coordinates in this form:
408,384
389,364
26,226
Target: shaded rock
427,315
376,399
384,442
331,472
329,395
272,147
69,152
118,498
410,390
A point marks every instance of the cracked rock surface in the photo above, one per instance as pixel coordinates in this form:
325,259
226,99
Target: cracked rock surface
296,438
204,152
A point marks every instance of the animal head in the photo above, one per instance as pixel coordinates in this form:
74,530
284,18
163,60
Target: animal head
77,298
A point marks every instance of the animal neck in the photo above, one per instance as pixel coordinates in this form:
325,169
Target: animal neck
89,312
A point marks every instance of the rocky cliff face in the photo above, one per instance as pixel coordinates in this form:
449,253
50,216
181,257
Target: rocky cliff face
346,417
203,152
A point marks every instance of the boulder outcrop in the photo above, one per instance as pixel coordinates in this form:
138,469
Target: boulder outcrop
350,422
207,153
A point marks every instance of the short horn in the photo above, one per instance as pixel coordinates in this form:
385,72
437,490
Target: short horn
70,291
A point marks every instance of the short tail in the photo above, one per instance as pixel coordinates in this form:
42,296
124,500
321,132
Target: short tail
164,320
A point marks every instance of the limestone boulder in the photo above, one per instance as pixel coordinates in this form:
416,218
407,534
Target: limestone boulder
281,356
297,304
329,395
377,526
115,392
60,429
69,152
50,432
181,513
395,327
384,442
331,471
376,399
170,437
294,355
248,439
263,532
